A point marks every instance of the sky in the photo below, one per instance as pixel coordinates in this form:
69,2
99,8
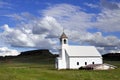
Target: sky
38,24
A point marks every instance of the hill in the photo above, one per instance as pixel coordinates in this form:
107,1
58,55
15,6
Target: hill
111,56
33,56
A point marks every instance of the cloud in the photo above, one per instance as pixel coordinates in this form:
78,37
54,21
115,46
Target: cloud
109,5
15,16
91,5
15,37
41,32
5,5
22,17
49,26
37,34
99,40
108,20
69,16
103,43
4,51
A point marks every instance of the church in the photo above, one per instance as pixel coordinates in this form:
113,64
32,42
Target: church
74,57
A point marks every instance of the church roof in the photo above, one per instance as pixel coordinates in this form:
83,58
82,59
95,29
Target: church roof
63,36
82,51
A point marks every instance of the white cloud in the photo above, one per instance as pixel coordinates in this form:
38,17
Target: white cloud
91,5
40,32
23,17
69,16
37,33
48,25
73,19
98,39
15,16
4,51
5,5
15,37
108,20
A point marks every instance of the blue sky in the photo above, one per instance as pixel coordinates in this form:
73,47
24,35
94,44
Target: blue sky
37,24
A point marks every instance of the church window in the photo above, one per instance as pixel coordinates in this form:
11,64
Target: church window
65,41
77,63
85,63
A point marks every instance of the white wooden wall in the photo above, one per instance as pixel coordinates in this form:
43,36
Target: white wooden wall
81,61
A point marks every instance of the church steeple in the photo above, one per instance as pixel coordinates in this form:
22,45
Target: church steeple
63,36
63,39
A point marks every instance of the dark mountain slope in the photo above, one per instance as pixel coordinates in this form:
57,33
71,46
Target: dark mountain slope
111,56
34,56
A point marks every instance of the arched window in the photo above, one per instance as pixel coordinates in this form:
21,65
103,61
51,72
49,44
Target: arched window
77,63
65,41
85,63
93,62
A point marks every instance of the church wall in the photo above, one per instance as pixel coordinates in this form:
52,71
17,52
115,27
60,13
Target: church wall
61,64
61,60
76,63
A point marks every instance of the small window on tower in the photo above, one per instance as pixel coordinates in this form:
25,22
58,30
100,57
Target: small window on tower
93,62
64,41
77,63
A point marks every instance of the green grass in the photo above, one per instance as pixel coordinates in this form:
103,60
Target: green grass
47,72
43,69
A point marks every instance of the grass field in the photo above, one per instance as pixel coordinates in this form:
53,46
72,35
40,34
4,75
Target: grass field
44,70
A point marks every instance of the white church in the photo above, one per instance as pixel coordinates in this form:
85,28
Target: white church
74,57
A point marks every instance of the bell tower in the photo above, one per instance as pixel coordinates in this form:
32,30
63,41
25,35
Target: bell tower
63,44
62,60
63,39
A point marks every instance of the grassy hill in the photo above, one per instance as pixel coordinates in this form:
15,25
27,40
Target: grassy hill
39,65
35,56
